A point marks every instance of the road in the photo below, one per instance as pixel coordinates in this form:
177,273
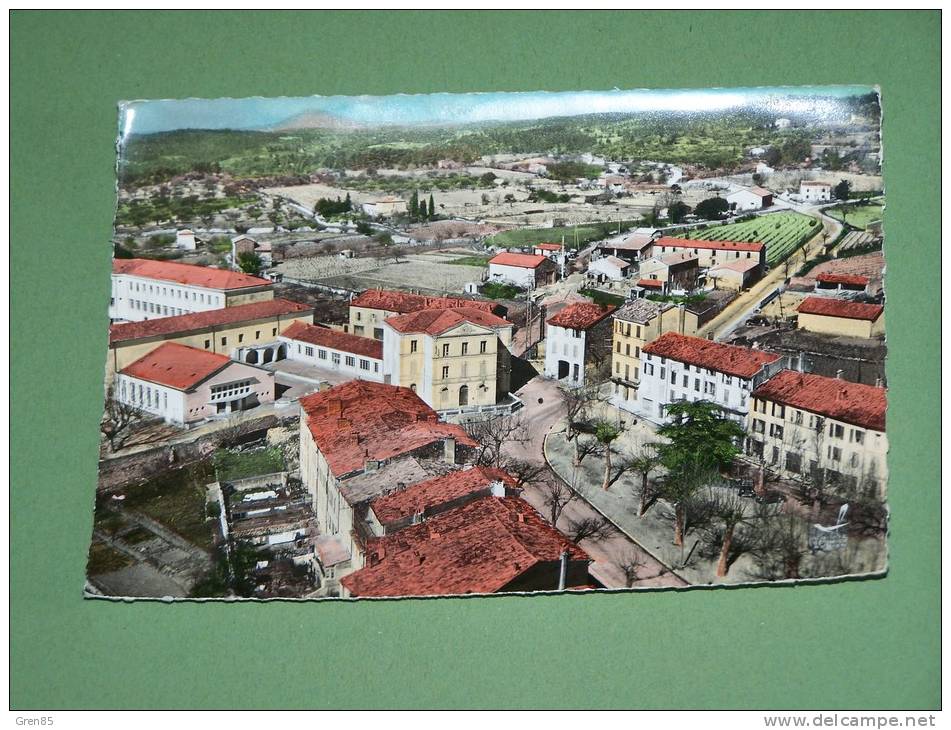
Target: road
608,554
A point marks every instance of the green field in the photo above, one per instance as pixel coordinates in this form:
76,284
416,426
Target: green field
575,236
482,261
782,233
231,465
858,216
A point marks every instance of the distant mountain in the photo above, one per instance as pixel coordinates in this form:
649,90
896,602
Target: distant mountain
315,120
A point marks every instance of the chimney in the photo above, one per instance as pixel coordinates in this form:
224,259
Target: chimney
563,571
449,449
334,407
343,422
838,374
878,382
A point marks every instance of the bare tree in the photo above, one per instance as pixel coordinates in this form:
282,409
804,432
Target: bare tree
727,510
578,403
780,541
524,472
594,529
117,419
645,461
631,565
492,434
556,496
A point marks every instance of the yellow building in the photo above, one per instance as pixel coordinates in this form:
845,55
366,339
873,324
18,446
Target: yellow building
824,430
831,316
369,309
452,358
246,332
636,324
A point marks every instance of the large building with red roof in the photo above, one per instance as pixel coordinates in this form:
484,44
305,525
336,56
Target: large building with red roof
369,309
523,270
576,338
339,352
676,367
713,253
360,439
246,332
184,385
831,316
148,289
826,429
456,358
488,545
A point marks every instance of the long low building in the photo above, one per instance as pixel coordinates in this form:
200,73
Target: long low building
183,385
713,253
148,289
322,347
247,332
825,429
369,309
831,316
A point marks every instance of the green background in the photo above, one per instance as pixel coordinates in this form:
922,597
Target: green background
860,644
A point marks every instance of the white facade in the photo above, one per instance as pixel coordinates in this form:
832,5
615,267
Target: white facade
136,298
745,200
664,381
520,276
564,355
815,191
352,364
385,207
609,267
185,239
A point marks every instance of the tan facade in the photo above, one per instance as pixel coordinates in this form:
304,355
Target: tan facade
367,322
844,326
629,337
247,297
223,339
798,443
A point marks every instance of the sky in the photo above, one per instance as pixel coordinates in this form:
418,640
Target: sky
143,117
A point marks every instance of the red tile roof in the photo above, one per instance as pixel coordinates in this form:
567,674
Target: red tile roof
815,182
762,192
855,403
853,279
581,316
335,340
187,274
549,246
521,260
654,283
719,245
177,366
438,491
741,362
402,302
361,420
829,307
437,321
202,320
480,547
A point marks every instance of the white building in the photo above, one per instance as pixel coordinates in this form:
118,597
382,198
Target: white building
385,207
676,367
521,269
815,191
574,338
750,199
609,267
182,384
146,289
185,239
339,352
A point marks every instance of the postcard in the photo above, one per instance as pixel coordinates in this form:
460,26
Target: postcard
470,344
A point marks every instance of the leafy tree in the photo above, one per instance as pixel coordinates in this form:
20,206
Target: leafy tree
364,228
729,511
414,205
347,202
432,207
423,210
712,209
249,262
487,179
842,190
606,433
700,440
509,198
678,211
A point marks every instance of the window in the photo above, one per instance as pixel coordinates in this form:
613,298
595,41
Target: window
795,416
224,341
445,350
445,372
350,360
758,426
359,315
321,354
465,348
686,380
274,332
710,388
858,437
834,453
779,410
617,347
364,364
309,351
793,463
673,377
335,359
760,406
854,460
207,344
627,330
836,430
482,345
257,334
637,352
412,345
663,373
240,338
696,384
648,369
638,332
775,430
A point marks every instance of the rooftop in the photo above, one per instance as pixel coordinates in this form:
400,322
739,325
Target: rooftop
478,548
361,420
521,260
718,245
549,246
636,242
335,340
403,302
815,182
741,265
828,307
437,321
640,311
855,403
187,274
438,491
613,260
651,283
391,476
741,362
581,316
182,323
674,259
851,279
762,192
177,366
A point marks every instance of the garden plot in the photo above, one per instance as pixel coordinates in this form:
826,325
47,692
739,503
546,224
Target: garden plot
783,233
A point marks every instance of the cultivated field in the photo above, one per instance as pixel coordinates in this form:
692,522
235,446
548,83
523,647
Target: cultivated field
782,233
858,216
